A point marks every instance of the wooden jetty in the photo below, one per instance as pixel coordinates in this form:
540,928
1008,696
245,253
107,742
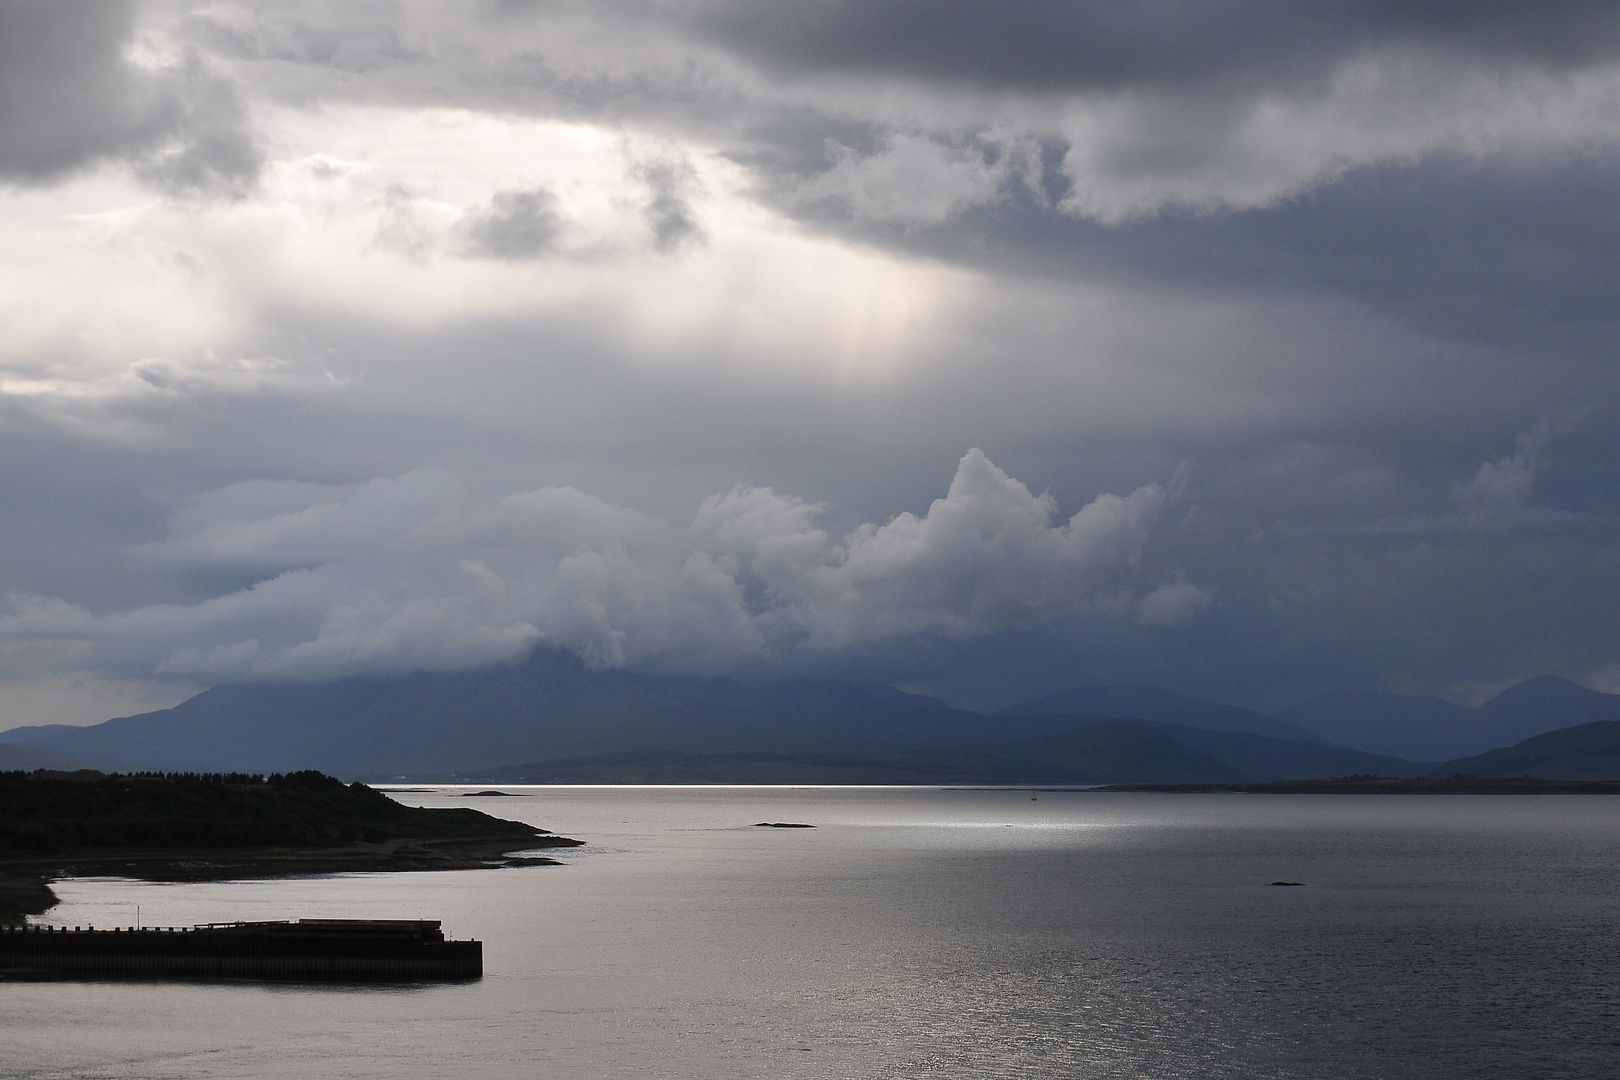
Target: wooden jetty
345,950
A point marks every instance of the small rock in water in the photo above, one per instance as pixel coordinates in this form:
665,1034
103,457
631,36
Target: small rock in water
480,794
1288,884
781,825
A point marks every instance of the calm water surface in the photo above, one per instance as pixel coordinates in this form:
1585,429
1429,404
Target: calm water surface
921,933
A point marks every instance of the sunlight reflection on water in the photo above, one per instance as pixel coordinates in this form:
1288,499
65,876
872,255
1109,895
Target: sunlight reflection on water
937,933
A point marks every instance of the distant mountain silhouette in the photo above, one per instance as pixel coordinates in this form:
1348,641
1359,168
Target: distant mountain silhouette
1150,703
28,736
882,715
1096,752
29,758
549,705
1544,704
551,718
1584,752
1257,756
1080,751
1431,729
1405,725
1101,751
1178,748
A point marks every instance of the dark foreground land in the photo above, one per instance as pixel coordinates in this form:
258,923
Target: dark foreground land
1389,785
190,827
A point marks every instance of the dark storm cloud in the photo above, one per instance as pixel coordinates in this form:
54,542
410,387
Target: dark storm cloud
65,91
1505,252
205,144
1489,573
1028,44
1057,45
786,87
69,96
1379,330
1300,604
1295,597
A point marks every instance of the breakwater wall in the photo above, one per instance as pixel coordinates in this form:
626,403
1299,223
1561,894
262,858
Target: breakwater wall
314,949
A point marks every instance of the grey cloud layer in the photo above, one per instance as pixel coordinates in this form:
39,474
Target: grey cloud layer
64,89
1343,257
515,225
69,96
902,112
1050,44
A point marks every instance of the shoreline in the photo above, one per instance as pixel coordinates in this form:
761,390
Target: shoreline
1384,785
25,883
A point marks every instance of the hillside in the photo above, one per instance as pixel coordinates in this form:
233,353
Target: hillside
1405,725
1583,752
551,717
549,705
1543,704
1259,758
1080,752
1161,706
1430,729
1062,750
549,708
28,758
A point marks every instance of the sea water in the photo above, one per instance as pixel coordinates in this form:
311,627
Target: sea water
919,933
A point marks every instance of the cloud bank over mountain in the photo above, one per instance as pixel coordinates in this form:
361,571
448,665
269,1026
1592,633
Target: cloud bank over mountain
411,574
370,336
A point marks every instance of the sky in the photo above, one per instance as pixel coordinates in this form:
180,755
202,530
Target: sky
1244,348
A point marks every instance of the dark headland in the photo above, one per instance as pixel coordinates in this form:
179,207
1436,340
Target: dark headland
200,827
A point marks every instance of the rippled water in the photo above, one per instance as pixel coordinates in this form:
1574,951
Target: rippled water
922,933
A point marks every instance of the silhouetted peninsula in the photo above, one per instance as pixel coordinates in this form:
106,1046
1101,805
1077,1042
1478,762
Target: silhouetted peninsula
189,827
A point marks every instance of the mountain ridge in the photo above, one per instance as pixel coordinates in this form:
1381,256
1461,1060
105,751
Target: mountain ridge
1152,703
1413,726
1581,752
15,757
550,708
552,712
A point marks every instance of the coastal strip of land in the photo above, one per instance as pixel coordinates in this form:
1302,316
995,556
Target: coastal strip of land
1390,785
221,826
